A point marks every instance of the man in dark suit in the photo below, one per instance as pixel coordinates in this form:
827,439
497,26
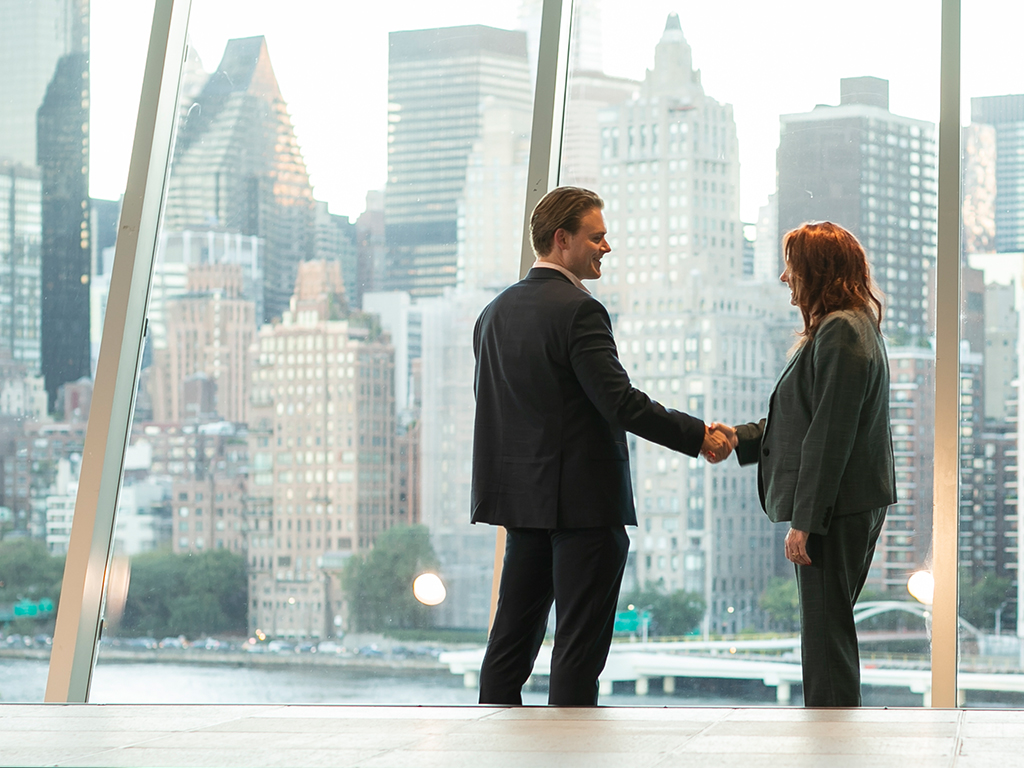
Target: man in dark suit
550,462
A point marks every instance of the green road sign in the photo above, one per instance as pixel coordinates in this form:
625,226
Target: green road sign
627,621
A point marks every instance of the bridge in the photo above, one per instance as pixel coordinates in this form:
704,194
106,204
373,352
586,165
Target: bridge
774,661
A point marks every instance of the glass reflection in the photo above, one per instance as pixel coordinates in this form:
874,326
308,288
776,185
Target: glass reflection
704,164
991,276
341,202
51,236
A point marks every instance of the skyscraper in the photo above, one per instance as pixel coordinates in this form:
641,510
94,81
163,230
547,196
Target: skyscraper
1006,114
978,234
20,242
441,85
44,89
208,332
874,173
335,240
237,167
63,156
33,37
690,332
321,435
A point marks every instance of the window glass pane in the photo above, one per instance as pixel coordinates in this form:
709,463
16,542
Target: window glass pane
709,141
345,195
65,116
991,246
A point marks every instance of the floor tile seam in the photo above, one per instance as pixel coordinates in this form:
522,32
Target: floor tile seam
681,746
232,719
958,742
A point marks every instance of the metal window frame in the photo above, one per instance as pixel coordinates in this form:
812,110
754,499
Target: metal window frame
545,161
86,571
79,615
946,493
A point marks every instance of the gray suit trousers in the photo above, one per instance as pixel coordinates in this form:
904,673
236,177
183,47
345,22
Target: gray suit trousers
829,589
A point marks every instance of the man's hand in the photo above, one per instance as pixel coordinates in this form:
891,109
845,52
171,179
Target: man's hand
796,547
716,446
729,432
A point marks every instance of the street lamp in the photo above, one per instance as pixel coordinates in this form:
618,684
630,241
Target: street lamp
921,585
429,589
999,615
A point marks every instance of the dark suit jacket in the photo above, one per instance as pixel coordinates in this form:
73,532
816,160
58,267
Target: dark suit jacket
826,447
553,404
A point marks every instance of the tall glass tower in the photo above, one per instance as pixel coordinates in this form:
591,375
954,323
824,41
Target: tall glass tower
873,172
44,124
238,168
1006,114
441,84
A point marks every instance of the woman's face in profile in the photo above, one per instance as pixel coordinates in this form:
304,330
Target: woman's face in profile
790,279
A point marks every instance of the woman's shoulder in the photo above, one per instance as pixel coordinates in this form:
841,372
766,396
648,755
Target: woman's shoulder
849,327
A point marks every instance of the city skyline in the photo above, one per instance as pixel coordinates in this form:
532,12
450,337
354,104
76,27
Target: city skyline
667,157
348,157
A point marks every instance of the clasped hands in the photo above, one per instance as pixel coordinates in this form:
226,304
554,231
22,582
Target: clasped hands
719,442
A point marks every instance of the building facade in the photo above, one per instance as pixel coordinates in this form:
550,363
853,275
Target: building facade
874,173
443,85
321,441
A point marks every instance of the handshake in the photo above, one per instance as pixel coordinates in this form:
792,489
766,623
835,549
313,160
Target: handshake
719,442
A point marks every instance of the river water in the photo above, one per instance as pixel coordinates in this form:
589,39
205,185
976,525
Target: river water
24,680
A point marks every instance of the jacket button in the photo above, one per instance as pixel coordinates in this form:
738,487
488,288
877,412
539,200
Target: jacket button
765,451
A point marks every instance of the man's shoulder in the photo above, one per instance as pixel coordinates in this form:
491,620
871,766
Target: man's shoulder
548,288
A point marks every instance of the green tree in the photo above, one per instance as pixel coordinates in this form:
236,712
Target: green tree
782,604
379,583
186,594
979,601
28,570
672,613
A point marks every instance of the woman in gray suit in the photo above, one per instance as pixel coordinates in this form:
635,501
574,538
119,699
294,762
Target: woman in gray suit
824,452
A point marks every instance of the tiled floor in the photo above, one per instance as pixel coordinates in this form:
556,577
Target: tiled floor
528,737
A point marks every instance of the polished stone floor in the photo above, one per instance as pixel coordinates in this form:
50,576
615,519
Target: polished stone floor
527,737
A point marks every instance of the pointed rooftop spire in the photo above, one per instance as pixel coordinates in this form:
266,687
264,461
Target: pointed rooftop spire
672,23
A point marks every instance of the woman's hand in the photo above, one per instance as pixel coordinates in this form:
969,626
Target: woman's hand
796,547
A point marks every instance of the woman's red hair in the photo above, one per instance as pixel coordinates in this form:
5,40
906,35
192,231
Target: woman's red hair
831,273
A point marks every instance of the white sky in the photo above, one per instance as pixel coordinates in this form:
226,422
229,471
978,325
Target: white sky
765,58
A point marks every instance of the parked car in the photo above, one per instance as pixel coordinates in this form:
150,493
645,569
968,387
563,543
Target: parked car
305,648
330,646
280,646
147,643
174,642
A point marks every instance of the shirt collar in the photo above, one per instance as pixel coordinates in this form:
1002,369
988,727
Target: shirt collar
550,265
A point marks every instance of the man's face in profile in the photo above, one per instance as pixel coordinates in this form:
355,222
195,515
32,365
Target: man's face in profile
588,246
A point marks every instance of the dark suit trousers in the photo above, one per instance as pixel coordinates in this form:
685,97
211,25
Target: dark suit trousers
580,569
829,588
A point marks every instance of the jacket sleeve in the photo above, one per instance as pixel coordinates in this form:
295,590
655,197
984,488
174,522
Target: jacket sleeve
841,368
749,448
595,361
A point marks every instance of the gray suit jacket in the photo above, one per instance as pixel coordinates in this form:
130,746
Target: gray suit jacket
825,449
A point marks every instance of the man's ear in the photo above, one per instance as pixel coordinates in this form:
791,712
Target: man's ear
561,239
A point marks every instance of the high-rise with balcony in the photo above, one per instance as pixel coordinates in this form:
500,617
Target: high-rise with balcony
445,86
873,172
